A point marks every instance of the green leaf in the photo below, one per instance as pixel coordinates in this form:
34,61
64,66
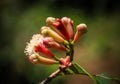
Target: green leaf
100,80
106,76
109,77
77,69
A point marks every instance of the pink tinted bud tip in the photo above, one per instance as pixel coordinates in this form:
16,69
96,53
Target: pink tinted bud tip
47,40
66,61
33,59
50,20
68,25
43,28
82,28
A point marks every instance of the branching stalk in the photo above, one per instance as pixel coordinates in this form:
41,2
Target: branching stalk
53,75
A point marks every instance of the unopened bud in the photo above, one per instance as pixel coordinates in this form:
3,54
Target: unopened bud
58,26
42,49
33,59
68,25
49,42
80,30
47,32
65,61
37,59
50,20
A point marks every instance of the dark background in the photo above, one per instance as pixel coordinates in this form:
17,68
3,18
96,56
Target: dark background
98,51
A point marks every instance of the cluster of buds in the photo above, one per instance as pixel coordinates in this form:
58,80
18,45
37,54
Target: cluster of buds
59,36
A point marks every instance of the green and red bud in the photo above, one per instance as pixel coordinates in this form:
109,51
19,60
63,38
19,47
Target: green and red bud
37,59
33,59
42,49
47,32
68,25
80,30
54,23
49,42
50,20
63,26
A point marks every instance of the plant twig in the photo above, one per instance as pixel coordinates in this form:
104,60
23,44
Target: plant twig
53,75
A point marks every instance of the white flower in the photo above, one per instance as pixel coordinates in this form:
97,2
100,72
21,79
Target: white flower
30,48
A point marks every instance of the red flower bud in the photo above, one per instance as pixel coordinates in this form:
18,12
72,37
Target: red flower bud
68,25
65,61
42,49
62,26
33,59
81,29
49,42
53,22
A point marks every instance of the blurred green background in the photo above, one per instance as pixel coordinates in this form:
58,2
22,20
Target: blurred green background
98,51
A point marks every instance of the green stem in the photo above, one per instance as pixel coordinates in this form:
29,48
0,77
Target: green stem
56,58
70,46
